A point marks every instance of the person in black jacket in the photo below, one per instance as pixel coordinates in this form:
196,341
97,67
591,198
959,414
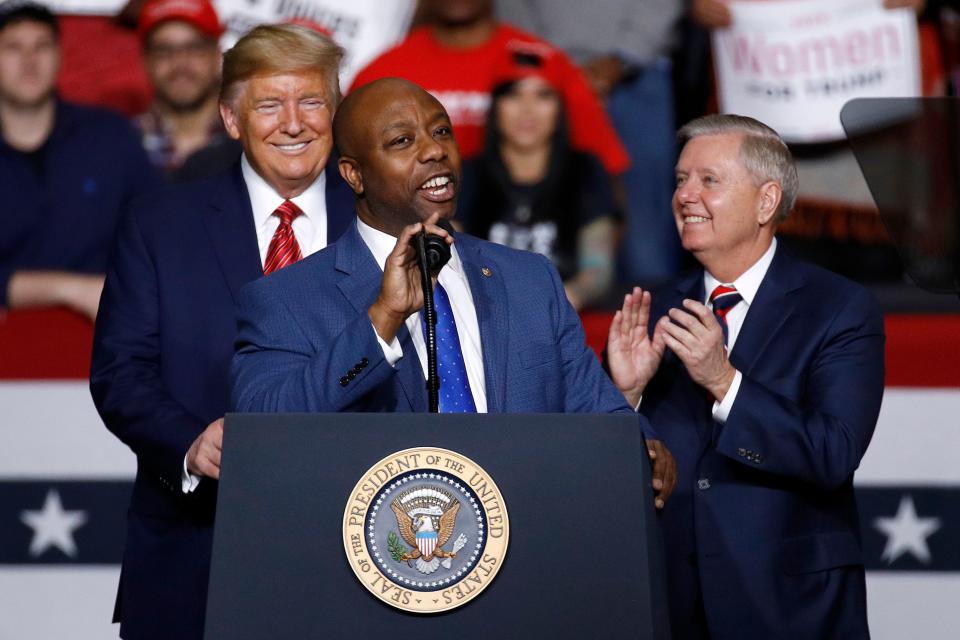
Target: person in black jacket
66,173
530,190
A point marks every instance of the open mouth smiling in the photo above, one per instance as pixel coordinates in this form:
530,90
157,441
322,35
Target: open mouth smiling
438,188
292,147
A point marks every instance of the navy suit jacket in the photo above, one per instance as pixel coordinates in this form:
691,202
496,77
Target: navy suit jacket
763,524
304,329
162,347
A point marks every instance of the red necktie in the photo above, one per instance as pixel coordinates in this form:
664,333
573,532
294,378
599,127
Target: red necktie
283,249
724,298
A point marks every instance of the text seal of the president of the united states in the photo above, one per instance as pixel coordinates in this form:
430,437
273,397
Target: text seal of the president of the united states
426,530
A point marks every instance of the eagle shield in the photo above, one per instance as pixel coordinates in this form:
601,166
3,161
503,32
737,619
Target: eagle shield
426,517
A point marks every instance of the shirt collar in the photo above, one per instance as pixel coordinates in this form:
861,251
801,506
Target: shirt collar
749,282
264,200
381,244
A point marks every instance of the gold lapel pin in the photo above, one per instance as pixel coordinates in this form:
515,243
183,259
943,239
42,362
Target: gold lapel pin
486,271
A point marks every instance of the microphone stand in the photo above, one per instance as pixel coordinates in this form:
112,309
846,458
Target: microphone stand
430,321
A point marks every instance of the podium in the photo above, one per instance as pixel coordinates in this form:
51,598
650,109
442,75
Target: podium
584,557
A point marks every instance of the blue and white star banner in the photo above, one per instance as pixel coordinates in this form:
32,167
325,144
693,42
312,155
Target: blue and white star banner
65,483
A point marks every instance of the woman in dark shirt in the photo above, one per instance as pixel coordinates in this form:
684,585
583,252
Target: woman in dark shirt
530,190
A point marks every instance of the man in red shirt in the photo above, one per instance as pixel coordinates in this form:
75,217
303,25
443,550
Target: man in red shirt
453,57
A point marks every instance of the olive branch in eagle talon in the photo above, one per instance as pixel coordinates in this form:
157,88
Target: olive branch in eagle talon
393,545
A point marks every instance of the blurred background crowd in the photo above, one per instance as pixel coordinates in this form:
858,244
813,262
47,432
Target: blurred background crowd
564,111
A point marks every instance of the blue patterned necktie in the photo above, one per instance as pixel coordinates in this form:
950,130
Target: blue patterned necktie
724,298
455,393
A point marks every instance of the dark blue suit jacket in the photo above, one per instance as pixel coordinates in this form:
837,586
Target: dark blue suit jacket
763,524
162,348
306,327
61,204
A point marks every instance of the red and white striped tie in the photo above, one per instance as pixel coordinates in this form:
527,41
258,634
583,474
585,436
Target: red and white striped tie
283,249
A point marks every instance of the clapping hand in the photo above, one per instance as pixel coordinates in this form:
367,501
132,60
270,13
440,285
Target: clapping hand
633,357
695,335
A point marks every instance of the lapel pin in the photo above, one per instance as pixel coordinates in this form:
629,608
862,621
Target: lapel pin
486,271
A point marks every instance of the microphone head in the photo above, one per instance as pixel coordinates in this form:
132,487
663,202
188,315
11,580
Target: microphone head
438,252
437,249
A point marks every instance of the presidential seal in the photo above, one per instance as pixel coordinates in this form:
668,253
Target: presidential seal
425,530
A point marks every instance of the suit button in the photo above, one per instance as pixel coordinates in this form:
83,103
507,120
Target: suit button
357,369
351,375
364,362
758,458
703,484
344,381
741,452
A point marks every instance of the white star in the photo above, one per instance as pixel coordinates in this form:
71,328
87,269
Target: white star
52,526
906,532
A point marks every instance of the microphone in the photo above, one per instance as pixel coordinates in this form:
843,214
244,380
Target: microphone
436,248
432,253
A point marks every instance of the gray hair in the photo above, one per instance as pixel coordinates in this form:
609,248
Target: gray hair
762,152
280,48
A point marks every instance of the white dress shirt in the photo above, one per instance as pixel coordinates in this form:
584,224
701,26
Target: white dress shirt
310,229
454,281
747,286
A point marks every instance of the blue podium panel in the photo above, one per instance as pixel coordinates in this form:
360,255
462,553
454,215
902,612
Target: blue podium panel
584,557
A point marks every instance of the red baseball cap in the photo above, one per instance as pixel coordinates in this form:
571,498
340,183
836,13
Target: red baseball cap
521,60
197,13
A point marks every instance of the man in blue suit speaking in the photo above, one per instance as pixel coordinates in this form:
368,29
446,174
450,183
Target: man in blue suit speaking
764,375
341,331
165,330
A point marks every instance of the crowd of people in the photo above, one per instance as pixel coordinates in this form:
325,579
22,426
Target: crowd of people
250,163
620,85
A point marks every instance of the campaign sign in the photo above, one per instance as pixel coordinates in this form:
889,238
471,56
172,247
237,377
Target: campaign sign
793,64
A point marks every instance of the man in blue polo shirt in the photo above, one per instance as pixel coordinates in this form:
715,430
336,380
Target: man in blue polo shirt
66,173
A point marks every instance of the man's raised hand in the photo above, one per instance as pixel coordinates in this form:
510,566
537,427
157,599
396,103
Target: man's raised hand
401,293
694,334
633,357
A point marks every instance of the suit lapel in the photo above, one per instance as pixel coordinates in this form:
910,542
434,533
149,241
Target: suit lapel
229,225
691,287
489,299
771,307
360,285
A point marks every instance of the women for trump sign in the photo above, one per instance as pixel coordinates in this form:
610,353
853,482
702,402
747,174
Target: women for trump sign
793,64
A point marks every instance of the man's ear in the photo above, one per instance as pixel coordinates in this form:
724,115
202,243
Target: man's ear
350,171
770,195
230,121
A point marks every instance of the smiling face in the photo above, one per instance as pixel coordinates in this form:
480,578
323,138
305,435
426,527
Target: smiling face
723,217
399,156
283,122
527,115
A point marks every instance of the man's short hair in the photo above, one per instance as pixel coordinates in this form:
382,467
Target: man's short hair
14,11
276,49
762,151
